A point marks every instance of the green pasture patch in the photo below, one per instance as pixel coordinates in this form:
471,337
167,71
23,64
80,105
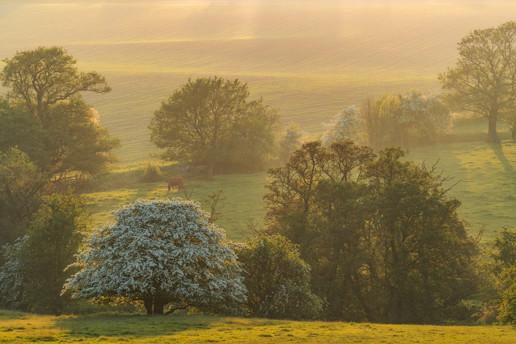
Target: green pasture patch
241,200
482,176
182,328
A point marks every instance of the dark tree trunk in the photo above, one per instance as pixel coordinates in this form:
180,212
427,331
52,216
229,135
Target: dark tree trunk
492,135
147,302
394,315
159,303
154,304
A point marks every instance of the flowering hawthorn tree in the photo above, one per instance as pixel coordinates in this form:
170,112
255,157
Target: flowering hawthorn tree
161,252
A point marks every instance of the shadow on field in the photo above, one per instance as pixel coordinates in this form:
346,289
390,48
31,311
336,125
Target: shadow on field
498,150
136,326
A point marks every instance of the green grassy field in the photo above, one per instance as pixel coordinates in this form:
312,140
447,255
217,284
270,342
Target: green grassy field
484,174
16,327
241,202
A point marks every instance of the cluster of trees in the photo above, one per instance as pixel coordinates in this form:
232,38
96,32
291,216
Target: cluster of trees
383,240
165,255
482,82
47,133
351,236
44,115
400,120
353,232
50,140
33,269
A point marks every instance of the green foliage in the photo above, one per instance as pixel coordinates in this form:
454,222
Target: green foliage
151,173
22,187
53,239
504,255
211,122
483,80
344,126
508,293
383,240
289,142
277,280
79,144
47,118
504,249
34,272
43,77
404,120
20,129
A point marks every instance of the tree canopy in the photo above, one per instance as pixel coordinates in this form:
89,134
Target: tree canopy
161,252
43,77
383,240
34,272
402,120
22,187
483,81
211,122
46,117
277,280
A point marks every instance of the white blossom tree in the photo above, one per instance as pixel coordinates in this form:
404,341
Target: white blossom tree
343,126
161,252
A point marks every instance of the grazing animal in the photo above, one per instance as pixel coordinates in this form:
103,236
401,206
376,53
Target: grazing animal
176,181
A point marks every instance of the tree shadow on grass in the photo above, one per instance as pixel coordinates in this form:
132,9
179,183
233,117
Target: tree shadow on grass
498,150
135,326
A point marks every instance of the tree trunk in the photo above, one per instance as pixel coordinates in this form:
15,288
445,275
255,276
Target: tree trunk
492,135
147,302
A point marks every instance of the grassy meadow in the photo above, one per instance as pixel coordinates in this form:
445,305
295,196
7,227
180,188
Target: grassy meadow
16,327
481,175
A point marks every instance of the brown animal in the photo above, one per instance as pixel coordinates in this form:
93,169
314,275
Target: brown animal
176,181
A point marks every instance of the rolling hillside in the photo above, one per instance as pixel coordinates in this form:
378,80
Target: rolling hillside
311,59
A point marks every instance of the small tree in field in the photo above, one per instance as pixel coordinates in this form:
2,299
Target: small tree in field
161,252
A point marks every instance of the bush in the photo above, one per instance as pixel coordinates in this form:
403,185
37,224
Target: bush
278,280
151,174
